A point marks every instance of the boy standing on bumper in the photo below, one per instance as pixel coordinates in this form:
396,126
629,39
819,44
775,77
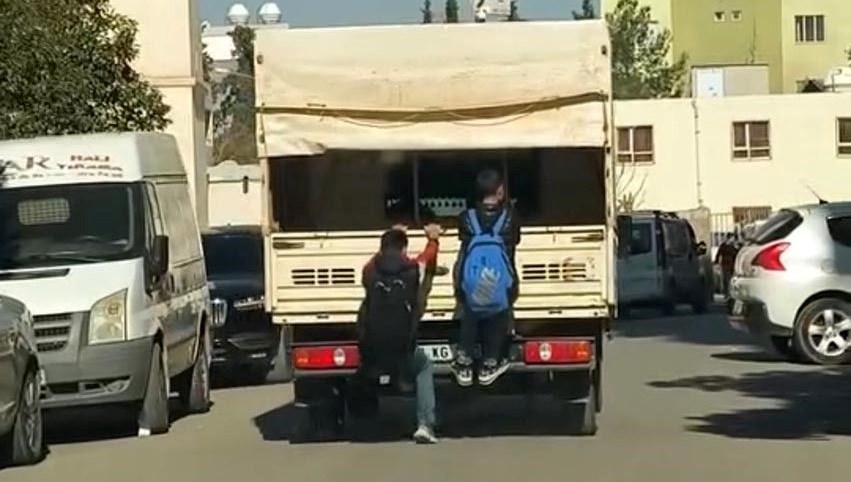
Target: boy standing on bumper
396,294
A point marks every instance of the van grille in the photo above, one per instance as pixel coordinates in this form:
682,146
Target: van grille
52,332
568,271
323,276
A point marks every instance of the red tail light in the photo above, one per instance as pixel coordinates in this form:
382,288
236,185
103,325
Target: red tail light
326,357
769,258
556,352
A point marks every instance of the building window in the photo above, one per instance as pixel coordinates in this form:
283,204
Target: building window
750,214
751,140
843,136
809,28
720,16
635,144
736,15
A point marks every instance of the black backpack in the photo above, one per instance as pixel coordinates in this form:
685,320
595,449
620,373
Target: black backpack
387,321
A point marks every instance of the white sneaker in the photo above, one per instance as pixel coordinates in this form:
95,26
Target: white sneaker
424,435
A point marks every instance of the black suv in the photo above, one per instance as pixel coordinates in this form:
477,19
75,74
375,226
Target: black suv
247,345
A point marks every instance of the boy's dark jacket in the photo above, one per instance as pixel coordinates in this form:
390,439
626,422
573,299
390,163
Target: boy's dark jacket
414,272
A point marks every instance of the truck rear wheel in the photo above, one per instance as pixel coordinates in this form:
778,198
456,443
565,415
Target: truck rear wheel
580,394
582,416
320,412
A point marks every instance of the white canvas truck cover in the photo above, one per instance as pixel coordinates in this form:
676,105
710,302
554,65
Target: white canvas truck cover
461,86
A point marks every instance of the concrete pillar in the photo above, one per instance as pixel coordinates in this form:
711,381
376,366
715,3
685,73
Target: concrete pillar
170,49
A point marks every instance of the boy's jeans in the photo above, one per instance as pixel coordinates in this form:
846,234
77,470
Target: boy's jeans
424,370
493,332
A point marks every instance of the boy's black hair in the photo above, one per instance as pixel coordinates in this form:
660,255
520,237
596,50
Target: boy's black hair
394,240
488,183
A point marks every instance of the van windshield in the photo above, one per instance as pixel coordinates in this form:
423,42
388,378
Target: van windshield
67,224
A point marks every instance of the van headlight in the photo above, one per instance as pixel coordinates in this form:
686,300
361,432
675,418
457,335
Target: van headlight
108,319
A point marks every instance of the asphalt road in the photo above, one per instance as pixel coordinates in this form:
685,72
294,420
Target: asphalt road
687,399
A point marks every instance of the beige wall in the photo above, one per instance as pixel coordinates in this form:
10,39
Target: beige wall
235,194
231,205
169,43
673,133
803,143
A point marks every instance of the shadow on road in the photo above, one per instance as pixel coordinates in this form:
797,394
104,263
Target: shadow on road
763,356
460,417
811,405
707,329
80,425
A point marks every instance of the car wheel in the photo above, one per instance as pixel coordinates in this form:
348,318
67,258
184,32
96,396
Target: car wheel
784,347
195,387
153,417
25,443
823,332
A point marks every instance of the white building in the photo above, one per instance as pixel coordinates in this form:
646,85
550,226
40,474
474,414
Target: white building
749,153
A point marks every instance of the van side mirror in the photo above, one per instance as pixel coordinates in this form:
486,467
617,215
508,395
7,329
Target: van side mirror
160,256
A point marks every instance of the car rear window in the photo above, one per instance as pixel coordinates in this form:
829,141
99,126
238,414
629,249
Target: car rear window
777,227
231,253
840,230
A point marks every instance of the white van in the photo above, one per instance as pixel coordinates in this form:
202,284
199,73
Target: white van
659,263
99,239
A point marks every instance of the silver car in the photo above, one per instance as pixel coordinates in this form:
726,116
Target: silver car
792,283
21,440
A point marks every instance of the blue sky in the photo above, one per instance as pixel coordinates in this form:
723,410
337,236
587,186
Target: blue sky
313,13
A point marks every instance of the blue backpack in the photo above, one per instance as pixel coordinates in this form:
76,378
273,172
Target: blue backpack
487,271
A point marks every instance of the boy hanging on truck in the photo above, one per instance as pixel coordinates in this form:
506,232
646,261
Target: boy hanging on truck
486,282
396,291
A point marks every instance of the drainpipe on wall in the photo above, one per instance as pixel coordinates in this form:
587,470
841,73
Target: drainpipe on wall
698,182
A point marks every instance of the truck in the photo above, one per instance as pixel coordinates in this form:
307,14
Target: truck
360,128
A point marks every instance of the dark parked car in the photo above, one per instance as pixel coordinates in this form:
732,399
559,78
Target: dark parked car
21,436
247,345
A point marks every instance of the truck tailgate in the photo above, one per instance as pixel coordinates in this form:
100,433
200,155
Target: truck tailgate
317,278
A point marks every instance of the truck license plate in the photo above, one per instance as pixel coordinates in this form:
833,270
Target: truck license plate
439,353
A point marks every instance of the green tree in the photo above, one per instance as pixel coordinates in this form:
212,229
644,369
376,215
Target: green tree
67,69
587,12
641,67
451,11
234,120
426,11
514,13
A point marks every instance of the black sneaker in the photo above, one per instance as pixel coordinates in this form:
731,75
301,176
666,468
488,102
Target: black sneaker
491,370
463,375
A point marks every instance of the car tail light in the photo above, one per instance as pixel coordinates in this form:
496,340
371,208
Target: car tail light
769,258
556,352
326,357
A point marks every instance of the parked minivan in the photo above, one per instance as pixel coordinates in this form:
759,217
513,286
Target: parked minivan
660,264
99,240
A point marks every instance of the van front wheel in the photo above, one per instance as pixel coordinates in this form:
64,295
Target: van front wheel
153,417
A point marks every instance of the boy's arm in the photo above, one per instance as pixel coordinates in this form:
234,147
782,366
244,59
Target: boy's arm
428,257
